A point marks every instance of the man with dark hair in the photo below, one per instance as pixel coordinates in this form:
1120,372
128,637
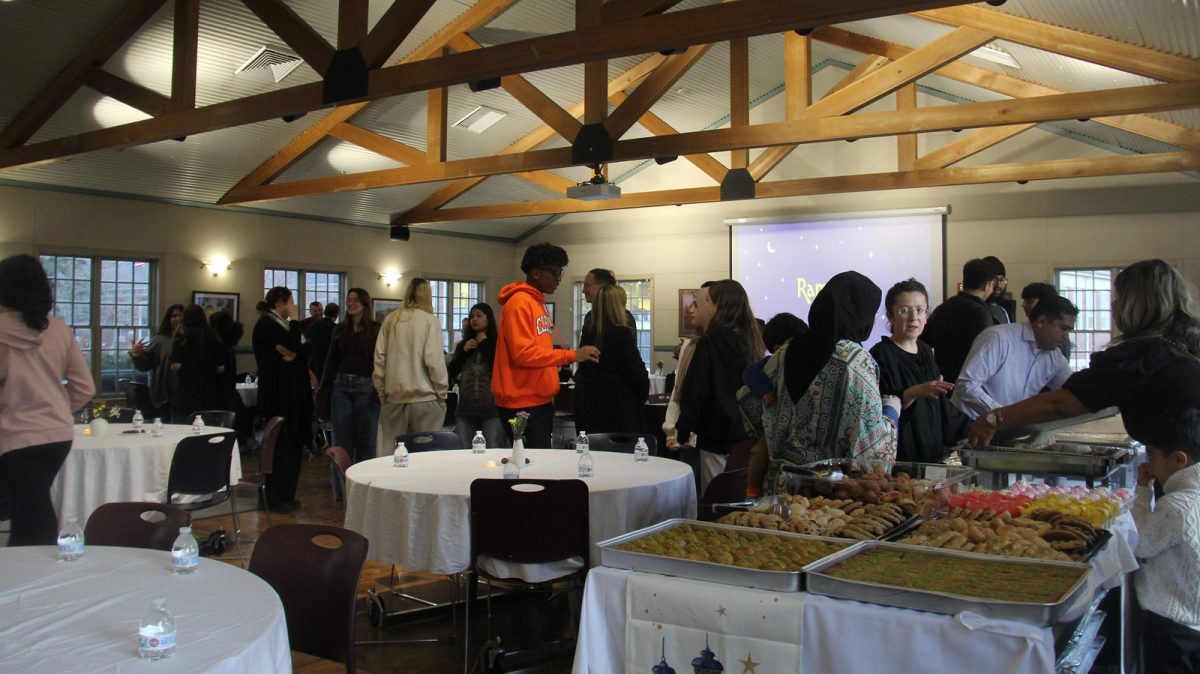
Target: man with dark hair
1009,363
1004,309
1030,295
314,314
525,373
959,320
318,336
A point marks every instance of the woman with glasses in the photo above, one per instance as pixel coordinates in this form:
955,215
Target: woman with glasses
928,422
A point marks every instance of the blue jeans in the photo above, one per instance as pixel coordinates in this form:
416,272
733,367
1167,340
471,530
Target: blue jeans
493,430
355,417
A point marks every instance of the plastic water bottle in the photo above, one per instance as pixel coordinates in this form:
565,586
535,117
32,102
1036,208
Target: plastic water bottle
511,470
157,430
400,456
640,451
138,420
585,461
70,541
582,444
156,635
478,444
198,425
185,553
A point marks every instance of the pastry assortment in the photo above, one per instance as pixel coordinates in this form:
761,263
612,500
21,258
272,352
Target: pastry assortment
820,516
962,576
735,548
880,483
1041,535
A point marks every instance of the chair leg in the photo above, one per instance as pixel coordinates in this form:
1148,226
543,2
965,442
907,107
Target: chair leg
237,530
467,624
262,495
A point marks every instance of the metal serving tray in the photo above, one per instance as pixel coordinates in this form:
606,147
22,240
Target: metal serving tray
779,581
998,459
941,602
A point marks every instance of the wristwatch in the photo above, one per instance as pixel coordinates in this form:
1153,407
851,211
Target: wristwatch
994,419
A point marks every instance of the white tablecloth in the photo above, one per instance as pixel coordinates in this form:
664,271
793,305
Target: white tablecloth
118,467
83,616
248,392
626,614
419,517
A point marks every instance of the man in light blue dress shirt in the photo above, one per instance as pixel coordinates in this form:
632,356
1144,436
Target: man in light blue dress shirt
1009,363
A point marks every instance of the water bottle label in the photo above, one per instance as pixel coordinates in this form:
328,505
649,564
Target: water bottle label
156,642
183,559
70,547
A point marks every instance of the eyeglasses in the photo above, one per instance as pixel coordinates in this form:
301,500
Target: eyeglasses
556,272
911,311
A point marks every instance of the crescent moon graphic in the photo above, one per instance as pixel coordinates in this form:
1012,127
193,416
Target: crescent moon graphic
770,248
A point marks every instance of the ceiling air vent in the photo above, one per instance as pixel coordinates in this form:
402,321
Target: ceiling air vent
270,61
479,119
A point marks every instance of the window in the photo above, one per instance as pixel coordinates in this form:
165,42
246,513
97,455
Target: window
306,286
109,310
1091,291
452,302
640,294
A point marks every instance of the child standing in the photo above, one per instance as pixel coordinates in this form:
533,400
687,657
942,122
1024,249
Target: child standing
1168,584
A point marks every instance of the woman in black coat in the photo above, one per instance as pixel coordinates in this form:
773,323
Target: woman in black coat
198,360
283,390
618,385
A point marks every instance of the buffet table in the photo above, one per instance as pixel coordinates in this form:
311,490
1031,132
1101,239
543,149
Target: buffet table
419,517
120,467
626,615
83,616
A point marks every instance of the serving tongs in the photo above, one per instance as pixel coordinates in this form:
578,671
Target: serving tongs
771,505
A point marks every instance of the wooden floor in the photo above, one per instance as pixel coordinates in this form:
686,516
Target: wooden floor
519,620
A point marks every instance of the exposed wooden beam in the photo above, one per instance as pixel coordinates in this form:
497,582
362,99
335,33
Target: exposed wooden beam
1073,43
1178,95
797,74
879,83
739,95
352,22
391,29
972,143
435,123
67,82
655,125
184,54
651,89
906,143
479,14
378,143
287,24
871,182
531,97
595,71
865,67
551,181
1011,86
619,10
701,25
134,95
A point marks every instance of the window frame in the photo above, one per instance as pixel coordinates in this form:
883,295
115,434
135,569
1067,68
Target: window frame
303,295
1094,310
456,307
644,336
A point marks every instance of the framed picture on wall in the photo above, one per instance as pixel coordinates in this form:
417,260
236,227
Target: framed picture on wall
214,302
383,307
687,297
550,310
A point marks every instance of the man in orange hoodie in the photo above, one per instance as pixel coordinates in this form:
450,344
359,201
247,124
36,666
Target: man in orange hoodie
525,373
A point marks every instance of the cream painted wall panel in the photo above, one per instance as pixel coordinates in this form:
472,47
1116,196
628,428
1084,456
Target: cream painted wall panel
1115,237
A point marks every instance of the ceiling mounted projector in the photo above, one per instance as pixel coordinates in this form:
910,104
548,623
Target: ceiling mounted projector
596,189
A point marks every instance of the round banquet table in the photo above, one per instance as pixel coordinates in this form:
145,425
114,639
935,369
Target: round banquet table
120,467
83,616
420,516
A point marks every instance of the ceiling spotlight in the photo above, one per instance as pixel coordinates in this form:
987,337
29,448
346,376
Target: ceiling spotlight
596,189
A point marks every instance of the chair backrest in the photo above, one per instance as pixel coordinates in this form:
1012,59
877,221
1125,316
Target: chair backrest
219,418
431,441
266,448
530,521
127,525
340,460
727,487
201,466
620,442
317,584
739,455
124,387
137,394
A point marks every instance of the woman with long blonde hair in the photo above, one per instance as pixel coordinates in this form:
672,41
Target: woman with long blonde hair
618,385
410,368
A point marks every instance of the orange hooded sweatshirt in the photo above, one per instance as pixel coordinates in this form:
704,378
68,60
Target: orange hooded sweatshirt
525,373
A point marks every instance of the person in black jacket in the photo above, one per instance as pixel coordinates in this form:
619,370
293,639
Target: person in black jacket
229,332
708,403
318,335
472,367
618,385
198,360
283,390
959,320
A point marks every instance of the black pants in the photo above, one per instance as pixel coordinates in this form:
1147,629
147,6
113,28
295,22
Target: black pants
538,430
1168,647
27,474
285,464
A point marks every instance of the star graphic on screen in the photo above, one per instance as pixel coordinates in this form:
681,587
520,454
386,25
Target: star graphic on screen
871,254
749,666
721,610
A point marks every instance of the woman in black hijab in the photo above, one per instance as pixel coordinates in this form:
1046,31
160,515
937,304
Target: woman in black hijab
827,386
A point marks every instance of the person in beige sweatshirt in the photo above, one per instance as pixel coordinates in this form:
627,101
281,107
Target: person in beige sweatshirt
410,368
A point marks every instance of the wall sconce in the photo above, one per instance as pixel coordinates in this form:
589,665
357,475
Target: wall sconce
390,277
217,266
